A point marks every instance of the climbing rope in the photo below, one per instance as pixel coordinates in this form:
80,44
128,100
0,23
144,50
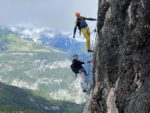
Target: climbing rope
94,37
93,31
92,45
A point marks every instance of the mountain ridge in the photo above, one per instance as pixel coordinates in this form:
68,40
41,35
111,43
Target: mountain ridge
48,37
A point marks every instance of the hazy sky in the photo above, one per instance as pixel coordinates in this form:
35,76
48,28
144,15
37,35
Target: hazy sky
55,14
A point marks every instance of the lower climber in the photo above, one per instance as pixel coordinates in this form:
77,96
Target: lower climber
78,69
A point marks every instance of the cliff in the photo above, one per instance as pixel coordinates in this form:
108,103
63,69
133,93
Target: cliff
121,58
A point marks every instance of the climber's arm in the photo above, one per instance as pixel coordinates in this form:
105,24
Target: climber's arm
75,29
92,19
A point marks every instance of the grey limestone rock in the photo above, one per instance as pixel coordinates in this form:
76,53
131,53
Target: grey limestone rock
121,58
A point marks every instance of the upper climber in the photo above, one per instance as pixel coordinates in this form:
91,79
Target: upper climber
83,27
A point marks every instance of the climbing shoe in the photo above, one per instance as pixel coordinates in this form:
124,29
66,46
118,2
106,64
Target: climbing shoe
84,90
89,50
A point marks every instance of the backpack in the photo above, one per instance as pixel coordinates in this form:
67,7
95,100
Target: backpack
82,23
74,69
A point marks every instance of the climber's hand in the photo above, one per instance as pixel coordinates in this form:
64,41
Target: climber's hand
89,61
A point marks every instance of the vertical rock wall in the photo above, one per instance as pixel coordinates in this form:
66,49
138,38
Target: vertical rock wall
121,58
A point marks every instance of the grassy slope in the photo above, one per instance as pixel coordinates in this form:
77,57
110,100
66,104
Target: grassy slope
16,100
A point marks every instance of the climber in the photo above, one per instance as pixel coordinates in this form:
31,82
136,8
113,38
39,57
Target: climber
78,69
83,27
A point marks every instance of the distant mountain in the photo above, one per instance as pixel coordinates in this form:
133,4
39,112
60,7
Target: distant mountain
11,42
16,100
50,38
47,37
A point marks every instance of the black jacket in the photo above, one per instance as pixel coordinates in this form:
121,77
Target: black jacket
76,66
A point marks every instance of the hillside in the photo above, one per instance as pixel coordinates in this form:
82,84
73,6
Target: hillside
11,42
16,100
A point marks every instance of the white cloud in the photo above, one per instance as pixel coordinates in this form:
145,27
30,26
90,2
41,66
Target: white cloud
23,84
73,94
54,65
48,81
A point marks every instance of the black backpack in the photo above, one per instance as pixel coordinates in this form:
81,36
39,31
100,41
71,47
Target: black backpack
74,69
82,23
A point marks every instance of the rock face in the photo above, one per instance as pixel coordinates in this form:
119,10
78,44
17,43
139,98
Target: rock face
121,58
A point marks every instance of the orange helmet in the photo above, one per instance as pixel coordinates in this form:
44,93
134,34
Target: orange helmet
77,13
